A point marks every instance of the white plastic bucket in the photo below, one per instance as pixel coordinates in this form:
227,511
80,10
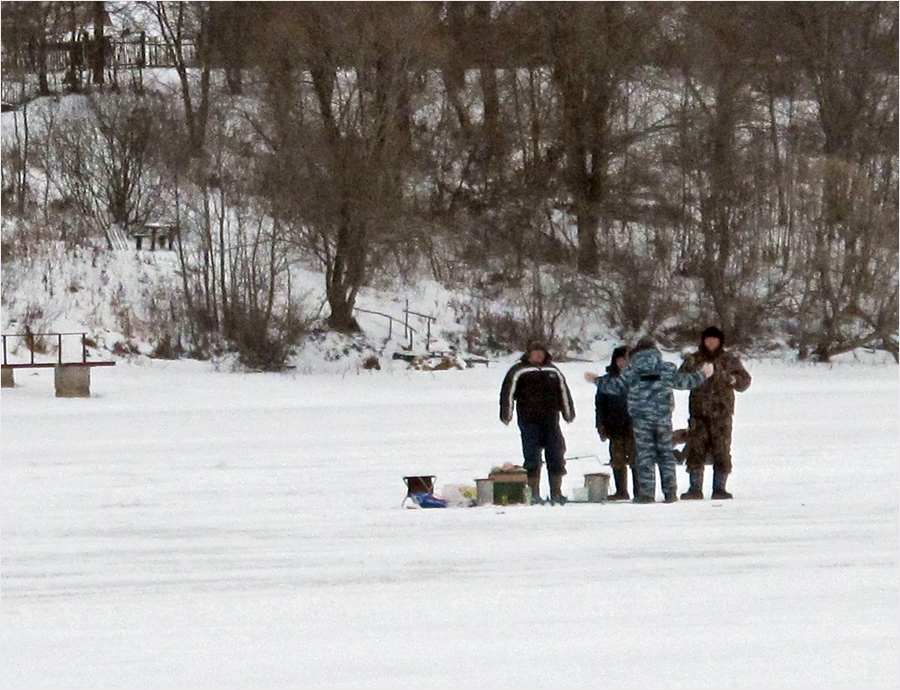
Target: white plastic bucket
484,492
597,485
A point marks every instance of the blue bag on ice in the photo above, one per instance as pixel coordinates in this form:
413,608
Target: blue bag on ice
424,500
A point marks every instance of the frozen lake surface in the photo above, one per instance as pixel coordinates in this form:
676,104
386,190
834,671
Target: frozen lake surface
185,528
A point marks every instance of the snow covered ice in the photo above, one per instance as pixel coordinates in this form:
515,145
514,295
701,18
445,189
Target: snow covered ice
186,528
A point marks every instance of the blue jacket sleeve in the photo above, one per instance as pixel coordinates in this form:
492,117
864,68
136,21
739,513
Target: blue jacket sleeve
615,385
684,381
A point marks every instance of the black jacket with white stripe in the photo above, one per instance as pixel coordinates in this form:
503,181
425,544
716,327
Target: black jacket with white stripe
535,392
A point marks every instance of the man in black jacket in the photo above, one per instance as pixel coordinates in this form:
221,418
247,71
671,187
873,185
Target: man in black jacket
539,393
614,424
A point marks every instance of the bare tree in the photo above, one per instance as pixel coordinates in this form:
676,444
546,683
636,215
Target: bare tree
234,256
848,52
594,49
230,23
341,135
98,45
104,162
16,162
720,135
26,31
184,25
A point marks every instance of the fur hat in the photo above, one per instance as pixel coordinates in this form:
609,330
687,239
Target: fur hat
621,351
613,367
537,346
713,332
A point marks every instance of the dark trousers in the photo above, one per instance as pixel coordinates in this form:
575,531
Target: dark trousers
543,434
622,451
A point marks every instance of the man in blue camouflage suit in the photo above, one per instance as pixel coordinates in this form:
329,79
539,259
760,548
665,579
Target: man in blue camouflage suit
649,382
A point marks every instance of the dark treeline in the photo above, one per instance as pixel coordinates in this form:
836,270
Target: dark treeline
667,165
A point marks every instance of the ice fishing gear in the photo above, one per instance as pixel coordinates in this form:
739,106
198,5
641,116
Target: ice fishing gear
420,490
424,500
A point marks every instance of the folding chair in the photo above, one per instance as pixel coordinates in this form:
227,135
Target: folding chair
421,490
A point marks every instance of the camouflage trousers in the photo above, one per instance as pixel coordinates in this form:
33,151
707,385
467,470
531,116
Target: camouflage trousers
709,442
653,439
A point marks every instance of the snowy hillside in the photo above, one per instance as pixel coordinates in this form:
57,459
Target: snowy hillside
59,273
132,303
125,300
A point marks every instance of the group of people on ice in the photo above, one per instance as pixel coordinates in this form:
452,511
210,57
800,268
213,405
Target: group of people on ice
634,404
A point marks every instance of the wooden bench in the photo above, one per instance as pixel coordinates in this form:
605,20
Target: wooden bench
72,379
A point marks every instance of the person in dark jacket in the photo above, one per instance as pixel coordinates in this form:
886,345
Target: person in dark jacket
711,411
648,382
614,424
538,392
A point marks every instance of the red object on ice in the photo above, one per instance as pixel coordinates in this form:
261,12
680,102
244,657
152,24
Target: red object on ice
419,485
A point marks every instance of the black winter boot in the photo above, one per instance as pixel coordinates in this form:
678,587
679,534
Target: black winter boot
621,478
556,495
695,491
534,483
719,478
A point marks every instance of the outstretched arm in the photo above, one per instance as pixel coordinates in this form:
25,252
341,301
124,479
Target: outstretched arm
614,385
685,381
688,365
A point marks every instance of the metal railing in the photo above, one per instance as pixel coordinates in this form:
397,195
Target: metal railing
408,331
31,340
68,64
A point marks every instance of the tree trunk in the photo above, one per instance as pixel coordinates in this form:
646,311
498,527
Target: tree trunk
343,278
22,175
98,54
722,202
43,81
588,219
172,31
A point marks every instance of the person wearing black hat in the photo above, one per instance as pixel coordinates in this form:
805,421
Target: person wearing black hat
538,392
614,424
711,410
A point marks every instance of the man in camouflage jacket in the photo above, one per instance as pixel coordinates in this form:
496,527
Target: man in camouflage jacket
711,413
648,382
